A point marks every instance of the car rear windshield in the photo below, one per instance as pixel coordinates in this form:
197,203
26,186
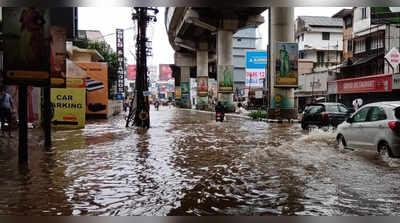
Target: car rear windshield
314,109
332,108
397,112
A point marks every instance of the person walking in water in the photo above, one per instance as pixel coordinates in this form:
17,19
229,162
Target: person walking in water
6,108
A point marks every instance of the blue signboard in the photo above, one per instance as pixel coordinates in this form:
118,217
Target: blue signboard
119,97
256,59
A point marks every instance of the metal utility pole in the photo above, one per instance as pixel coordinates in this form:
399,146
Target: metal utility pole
141,115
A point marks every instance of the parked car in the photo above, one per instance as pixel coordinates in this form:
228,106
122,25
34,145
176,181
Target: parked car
374,126
324,114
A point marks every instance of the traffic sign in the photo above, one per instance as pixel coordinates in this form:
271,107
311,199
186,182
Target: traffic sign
393,57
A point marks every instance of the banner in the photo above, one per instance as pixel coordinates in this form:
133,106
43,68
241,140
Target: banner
374,83
26,33
69,107
185,88
286,72
131,72
58,56
165,72
256,62
121,62
178,94
96,87
225,78
202,86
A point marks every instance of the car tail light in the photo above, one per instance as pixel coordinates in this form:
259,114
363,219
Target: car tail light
324,115
395,126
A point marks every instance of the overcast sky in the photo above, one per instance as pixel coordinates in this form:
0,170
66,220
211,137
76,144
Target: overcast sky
107,20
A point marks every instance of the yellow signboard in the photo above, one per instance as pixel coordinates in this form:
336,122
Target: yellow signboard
69,107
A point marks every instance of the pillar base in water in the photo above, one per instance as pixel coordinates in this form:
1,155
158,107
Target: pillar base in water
282,113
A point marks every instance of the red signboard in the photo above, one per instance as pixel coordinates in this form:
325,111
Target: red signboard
165,72
131,72
375,83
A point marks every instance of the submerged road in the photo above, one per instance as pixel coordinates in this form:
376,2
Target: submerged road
187,164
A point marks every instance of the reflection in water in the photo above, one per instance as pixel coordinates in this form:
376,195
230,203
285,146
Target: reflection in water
187,164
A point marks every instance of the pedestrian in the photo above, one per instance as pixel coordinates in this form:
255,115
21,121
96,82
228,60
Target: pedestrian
6,108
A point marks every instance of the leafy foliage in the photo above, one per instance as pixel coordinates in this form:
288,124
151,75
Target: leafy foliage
258,114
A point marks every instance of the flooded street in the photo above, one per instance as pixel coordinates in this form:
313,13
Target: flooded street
187,164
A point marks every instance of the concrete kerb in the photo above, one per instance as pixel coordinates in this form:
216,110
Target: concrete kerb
249,118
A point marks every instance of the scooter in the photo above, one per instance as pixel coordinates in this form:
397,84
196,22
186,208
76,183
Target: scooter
219,117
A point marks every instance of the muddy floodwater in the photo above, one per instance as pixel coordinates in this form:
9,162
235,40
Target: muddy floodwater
187,164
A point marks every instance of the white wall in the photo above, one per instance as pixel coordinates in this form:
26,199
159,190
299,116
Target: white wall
358,23
314,39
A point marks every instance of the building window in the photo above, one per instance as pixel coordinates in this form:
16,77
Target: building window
363,13
349,45
348,22
325,36
320,57
359,46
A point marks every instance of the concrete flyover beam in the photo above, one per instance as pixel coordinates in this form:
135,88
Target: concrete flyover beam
184,60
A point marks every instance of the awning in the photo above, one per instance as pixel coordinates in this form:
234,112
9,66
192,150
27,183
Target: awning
363,60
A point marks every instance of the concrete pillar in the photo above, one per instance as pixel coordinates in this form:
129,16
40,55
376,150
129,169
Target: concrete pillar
185,86
202,75
282,30
225,67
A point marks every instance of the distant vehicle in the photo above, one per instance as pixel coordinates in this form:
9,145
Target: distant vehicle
374,126
324,114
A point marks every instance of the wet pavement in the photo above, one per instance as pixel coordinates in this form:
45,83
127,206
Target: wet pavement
187,164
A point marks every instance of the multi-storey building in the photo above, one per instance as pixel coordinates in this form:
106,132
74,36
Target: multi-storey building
365,73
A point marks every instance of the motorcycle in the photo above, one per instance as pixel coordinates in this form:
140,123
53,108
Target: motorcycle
219,117
157,105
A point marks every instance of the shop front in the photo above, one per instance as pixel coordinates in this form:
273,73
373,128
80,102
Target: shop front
370,89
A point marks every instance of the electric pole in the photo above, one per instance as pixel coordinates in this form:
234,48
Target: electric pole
142,109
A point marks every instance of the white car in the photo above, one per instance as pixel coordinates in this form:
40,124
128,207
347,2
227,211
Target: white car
374,126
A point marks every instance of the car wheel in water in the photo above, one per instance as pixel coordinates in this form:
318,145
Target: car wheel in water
384,150
341,142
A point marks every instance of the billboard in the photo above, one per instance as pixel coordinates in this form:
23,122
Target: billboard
165,72
178,94
225,78
26,47
96,87
69,107
373,83
34,45
286,70
256,62
185,88
385,15
131,72
202,86
121,62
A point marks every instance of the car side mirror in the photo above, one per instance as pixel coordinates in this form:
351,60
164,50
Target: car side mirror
349,120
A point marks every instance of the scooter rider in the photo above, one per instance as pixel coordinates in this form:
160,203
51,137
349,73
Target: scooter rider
219,108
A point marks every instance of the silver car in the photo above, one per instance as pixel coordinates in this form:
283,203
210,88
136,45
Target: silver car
374,126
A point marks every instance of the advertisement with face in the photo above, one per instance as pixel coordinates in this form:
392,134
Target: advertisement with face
286,71
165,72
26,47
96,87
58,56
202,86
225,78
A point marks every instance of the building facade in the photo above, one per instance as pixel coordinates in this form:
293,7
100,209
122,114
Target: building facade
320,42
243,40
365,73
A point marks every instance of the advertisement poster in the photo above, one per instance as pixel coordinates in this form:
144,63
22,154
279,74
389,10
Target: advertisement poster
212,88
96,87
121,62
185,88
69,107
58,56
225,78
286,72
165,72
131,72
256,62
202,86
26,33
385,15
178,94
